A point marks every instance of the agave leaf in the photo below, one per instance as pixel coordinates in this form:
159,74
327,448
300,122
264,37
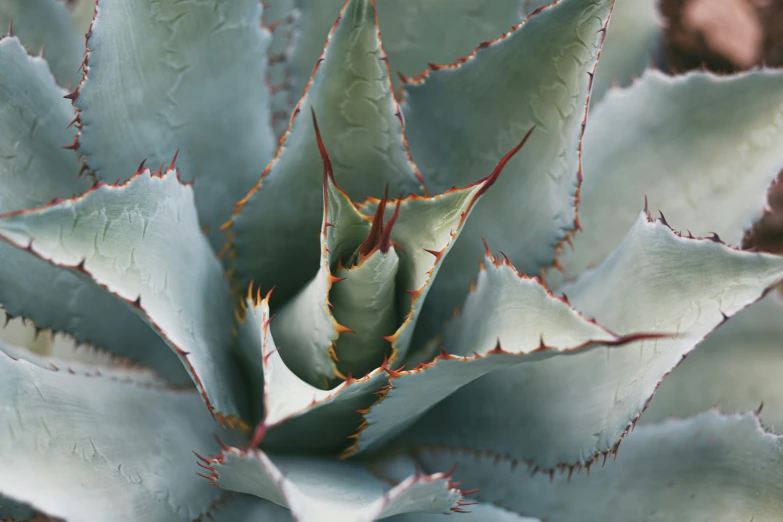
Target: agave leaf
364,301
362,130
297,415
141,242
414,32
508,320
737,368
122,459
135,374
706,468
45,26
235,507
189,53
323,490
34,129
35,169
716,128
308,351
10,510
656,282
632,41
495,97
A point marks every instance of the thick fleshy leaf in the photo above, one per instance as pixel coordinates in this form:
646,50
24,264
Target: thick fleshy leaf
414,33
191,78
35,169
309,351
111,369
322,490
45,25
365,301
726,135
274,227
632,42
508,320
495,98
297,415
736,369
93,449
579,407
708,468
141,242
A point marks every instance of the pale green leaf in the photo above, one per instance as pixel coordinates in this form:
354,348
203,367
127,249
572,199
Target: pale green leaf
34,169
631,44
735,369
324,490
577,408
274,227
46,25
477,513
82,12
282,19
461,119
307,351
297,415
710,468
141,242
94,449
509,320
414,33
168,76
712,146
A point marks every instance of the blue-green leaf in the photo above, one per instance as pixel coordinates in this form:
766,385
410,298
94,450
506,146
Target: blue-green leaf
190,77
45,25
95,449
710,468
141,242
35,169
460,119
712,147
274,227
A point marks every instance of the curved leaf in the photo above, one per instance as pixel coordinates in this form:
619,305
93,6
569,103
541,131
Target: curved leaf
632,42
579,407
274,225
297,415
507,321
90,368
188,53
92,449
310,351
726,135
45,26
35,169
737,368
364,301
707,468
494,96
317,489
141,242
415,33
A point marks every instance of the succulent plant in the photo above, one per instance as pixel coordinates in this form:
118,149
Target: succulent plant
395,342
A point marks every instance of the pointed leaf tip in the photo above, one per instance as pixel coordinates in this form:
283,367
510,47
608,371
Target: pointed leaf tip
492,178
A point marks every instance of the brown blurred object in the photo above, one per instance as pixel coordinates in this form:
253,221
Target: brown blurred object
723,36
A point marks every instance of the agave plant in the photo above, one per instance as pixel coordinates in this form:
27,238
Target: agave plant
395,342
